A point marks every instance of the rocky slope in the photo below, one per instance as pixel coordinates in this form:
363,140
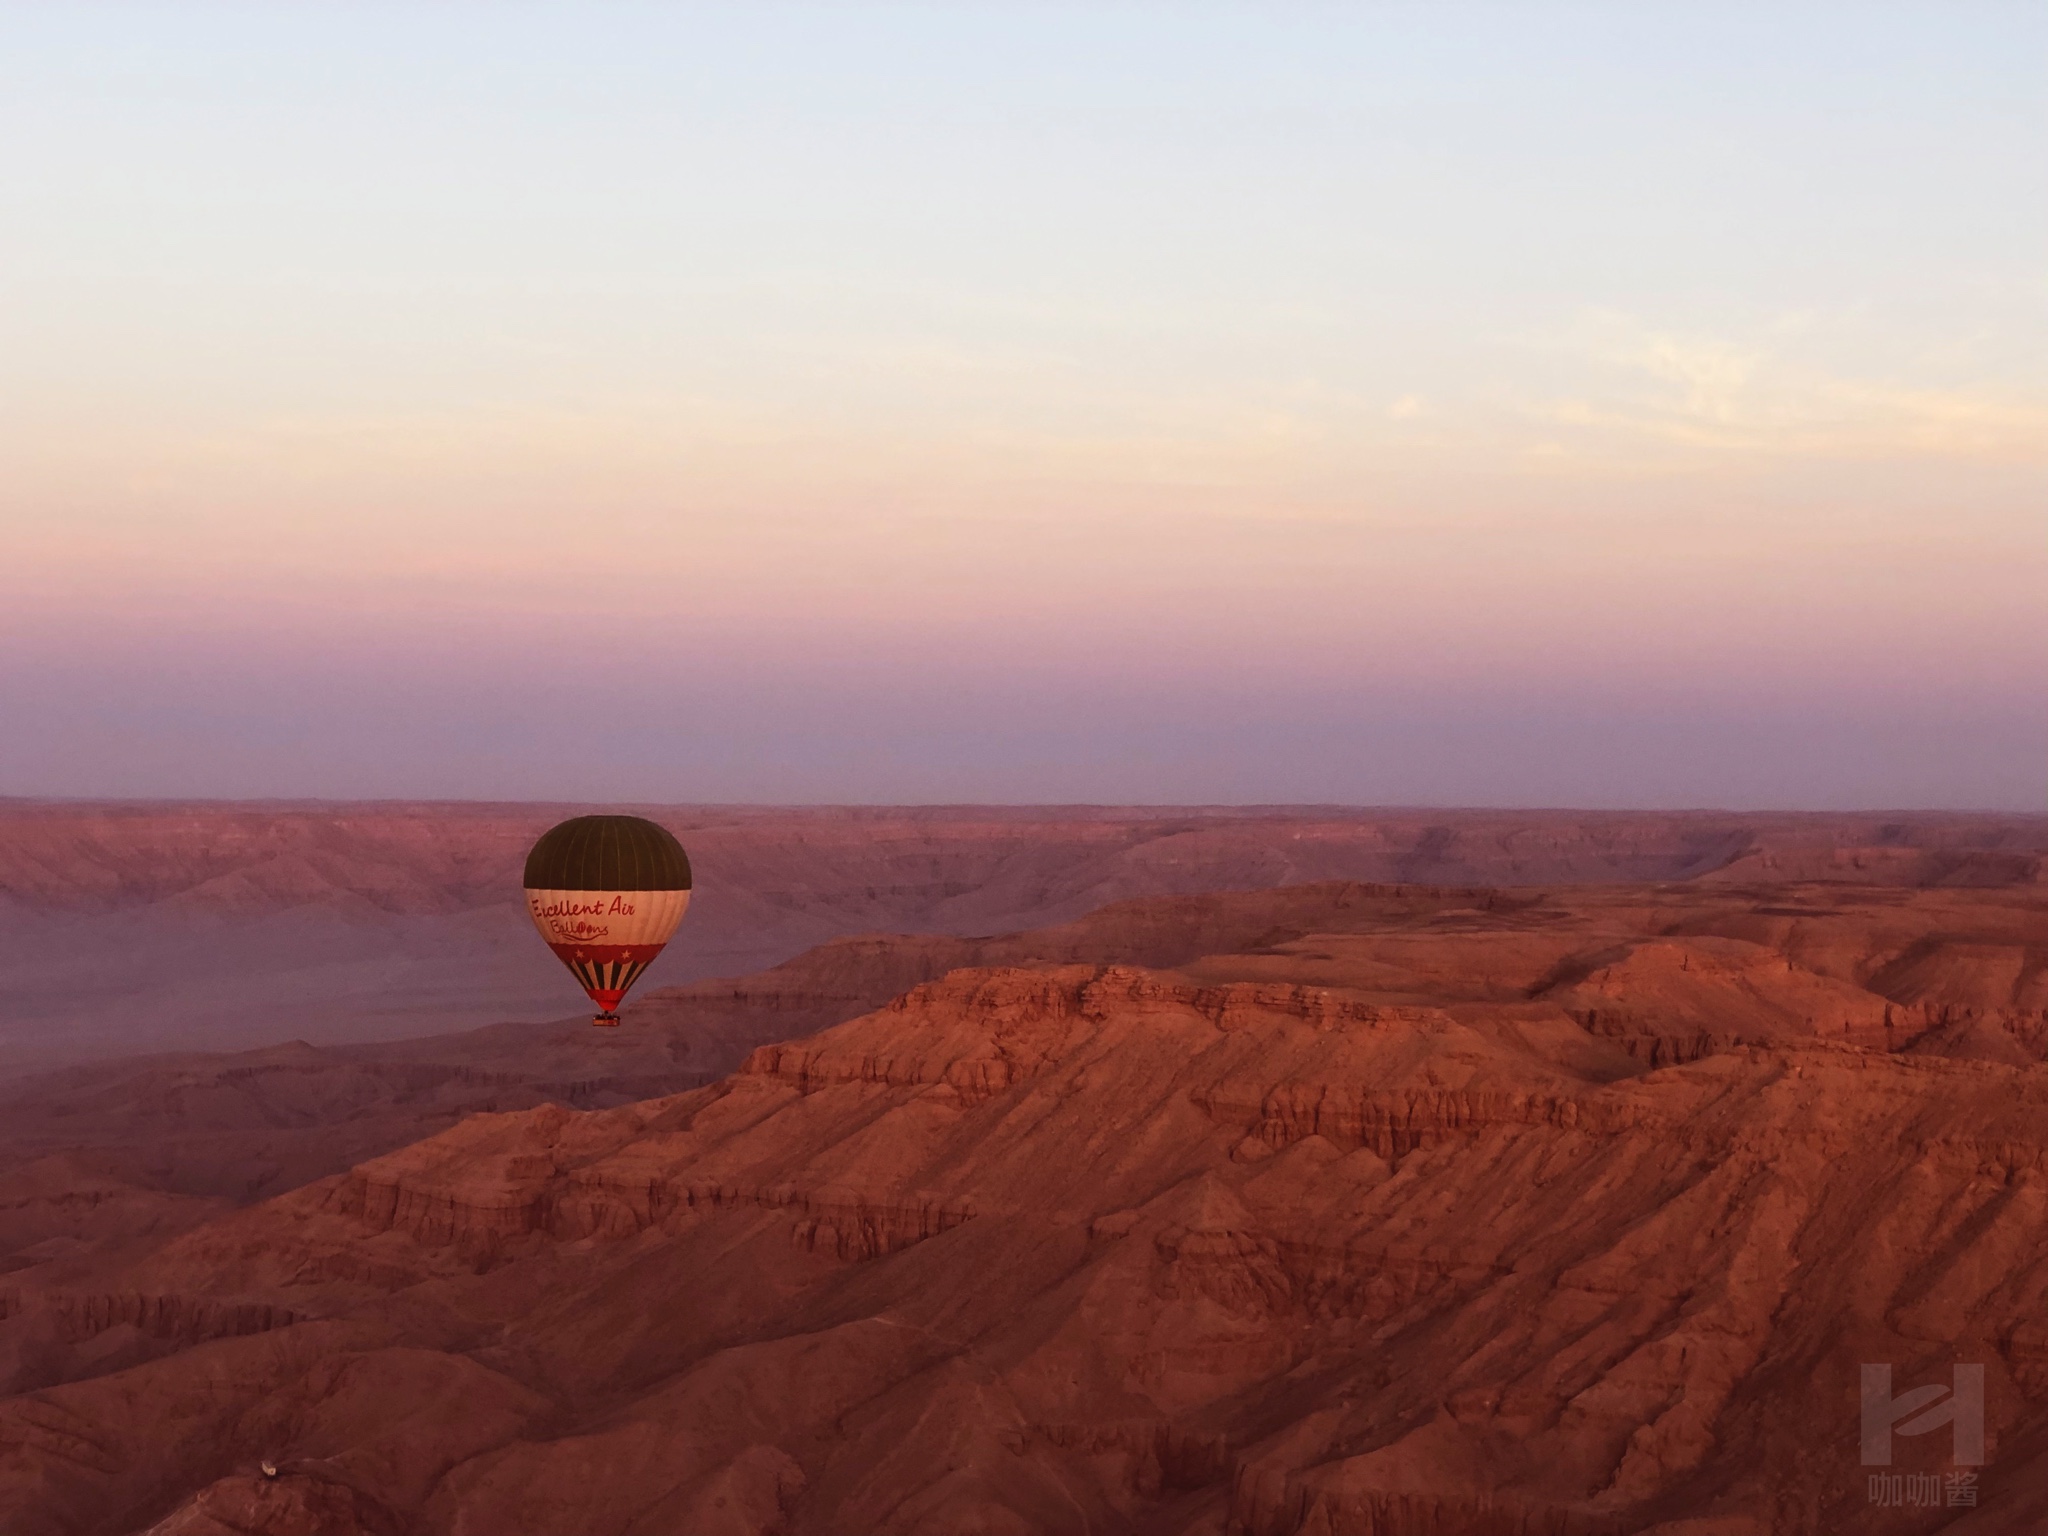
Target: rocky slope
136,927
1668,973
1333,1209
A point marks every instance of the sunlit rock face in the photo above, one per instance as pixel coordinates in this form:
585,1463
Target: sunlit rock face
1337,1208
214,925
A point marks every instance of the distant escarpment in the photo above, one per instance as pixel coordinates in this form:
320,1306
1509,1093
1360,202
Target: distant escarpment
153,925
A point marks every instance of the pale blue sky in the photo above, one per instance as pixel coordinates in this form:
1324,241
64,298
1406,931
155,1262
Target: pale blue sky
1561,404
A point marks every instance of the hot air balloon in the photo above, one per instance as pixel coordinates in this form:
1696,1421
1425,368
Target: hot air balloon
606,892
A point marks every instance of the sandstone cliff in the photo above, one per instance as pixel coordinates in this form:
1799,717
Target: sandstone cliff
1446,1212
139,927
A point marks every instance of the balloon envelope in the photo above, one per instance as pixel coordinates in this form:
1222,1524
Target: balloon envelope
606,892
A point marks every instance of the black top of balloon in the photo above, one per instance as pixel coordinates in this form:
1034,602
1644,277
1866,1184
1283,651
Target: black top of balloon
607,853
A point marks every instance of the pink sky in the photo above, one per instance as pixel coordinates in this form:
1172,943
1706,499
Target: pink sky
1386,412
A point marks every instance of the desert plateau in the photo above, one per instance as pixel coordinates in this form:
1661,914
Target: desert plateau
1345,1173
1018,769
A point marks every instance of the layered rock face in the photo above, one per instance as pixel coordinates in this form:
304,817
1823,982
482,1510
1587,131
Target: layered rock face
1341,1209
139,927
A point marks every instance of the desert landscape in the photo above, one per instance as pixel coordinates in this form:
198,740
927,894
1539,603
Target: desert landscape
1260,1173
1008,769
139,926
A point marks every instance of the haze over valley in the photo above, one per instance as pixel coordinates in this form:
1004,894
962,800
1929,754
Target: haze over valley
143,927
1340,1206
1023,770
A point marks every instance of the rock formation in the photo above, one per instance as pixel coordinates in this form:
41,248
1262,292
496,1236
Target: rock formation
144,927
1334,1209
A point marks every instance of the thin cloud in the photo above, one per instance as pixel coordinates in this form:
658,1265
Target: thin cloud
1674,399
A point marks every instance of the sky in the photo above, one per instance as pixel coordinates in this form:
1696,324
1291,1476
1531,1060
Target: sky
1375,404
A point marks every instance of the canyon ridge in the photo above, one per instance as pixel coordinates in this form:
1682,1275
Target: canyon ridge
1389,1174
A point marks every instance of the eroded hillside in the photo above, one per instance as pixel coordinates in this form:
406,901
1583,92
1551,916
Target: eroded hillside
1331,1209
153,926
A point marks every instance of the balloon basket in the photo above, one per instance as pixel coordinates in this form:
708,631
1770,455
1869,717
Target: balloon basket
606,1021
